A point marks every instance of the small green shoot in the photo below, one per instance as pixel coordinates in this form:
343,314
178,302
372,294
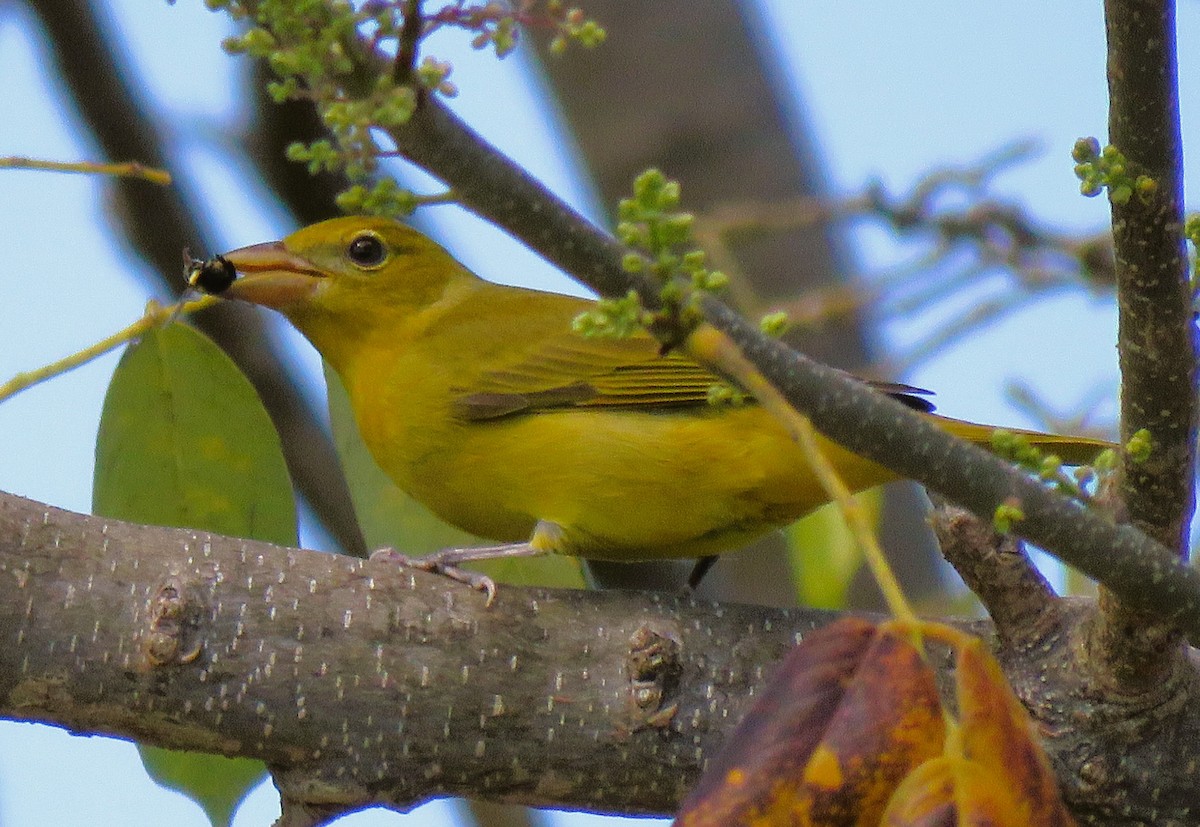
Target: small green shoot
1099,169
1006,514
1139,447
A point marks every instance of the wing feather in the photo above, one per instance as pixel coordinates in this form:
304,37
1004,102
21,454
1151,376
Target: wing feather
574,371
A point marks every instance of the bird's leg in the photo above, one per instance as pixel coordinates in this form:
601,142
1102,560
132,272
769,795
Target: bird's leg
703,566
446,562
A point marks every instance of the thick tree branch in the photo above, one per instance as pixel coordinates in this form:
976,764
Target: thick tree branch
1157,336
1156,343
361,683
1043,641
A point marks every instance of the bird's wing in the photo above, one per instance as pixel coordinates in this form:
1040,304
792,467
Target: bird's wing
571,371
577,371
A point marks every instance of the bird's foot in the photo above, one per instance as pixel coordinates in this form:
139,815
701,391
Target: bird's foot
446,563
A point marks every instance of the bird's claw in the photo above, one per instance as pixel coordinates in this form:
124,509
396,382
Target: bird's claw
437,564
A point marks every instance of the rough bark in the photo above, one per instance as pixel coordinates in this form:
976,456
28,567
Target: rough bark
1156,341
361,683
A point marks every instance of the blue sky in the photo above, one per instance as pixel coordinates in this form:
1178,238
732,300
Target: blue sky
893,90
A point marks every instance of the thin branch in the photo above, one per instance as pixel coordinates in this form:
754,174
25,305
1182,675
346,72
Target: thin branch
996,237
154,316
967,323
405,64
715,348
129,169
1085,416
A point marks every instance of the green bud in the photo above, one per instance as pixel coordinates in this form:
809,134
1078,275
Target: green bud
351,200
668,196
1146,188
722,393
1139,447
1050,467
1106,460
1004,443
670,294
1005,515
629,234
665,263
633,263
716,280
774,324
1085,149
505,38
681,222
1191,228
591,34
647,185
258,42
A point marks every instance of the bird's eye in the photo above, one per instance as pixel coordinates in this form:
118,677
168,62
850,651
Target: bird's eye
367,250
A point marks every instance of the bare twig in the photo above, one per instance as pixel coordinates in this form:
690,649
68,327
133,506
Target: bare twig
992,236
405,64
129,169
154,316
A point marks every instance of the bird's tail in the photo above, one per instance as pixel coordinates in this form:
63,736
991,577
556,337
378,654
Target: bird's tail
1072,450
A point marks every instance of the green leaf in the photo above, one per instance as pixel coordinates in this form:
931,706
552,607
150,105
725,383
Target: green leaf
391,518
185,441
218,784
824,555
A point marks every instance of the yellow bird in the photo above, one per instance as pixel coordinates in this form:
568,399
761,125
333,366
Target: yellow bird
480,402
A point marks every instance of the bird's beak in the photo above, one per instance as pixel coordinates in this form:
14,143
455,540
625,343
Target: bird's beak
271,275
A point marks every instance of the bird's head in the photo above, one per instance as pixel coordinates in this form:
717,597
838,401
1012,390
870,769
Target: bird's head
339,279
